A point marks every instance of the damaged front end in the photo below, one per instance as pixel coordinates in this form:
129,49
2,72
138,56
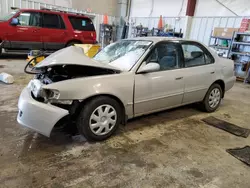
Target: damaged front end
69,63
58,73
42,104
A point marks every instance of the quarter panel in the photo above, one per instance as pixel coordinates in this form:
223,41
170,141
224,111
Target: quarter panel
227,72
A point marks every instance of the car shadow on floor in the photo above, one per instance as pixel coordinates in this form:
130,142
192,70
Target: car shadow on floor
62,137
162,117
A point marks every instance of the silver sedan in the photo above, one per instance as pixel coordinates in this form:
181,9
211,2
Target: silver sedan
126,79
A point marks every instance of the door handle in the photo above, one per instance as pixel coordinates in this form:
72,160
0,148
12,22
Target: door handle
179,78
212,72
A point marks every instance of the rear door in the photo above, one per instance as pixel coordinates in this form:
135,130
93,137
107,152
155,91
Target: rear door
199,71
27,34
84,28
54,33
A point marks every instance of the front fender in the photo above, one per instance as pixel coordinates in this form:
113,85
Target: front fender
119,85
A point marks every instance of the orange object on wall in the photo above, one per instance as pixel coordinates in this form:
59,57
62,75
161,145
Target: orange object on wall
105,19
160,23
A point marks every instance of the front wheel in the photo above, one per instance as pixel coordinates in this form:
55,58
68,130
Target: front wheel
212,99
99,118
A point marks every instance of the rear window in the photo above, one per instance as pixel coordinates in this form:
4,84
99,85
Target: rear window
81,24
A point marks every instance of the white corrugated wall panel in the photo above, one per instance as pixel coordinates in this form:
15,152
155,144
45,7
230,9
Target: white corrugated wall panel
202,26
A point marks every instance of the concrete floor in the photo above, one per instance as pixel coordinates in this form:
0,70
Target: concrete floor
168,149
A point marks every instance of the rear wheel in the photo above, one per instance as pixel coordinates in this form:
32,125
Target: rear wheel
212,99
99,118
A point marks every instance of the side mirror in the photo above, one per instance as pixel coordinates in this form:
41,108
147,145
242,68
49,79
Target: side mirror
14,21
150,67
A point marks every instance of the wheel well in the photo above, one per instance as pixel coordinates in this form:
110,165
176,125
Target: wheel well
76,41
222,85
124,119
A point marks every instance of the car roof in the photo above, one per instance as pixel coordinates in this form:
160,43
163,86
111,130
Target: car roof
156,39
54,12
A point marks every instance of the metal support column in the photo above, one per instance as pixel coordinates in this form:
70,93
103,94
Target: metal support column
191,7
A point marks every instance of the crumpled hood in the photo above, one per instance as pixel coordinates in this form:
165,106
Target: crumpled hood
72,56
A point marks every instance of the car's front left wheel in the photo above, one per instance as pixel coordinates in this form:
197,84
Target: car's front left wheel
99,118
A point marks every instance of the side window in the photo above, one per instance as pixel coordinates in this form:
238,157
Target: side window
166,55
51,21
29,19
81,24
195,56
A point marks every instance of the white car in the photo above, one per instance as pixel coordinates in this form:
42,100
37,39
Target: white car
126,79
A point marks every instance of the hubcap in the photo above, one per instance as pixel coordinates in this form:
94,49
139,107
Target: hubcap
214,98
103,120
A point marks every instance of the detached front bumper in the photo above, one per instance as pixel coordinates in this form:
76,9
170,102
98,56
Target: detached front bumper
36,115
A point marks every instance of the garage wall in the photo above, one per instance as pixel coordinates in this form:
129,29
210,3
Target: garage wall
214,8
155,8
202,27
6,4
168,8
63,3
97,6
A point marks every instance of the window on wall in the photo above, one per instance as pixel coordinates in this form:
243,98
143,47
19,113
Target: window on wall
53,21
81,24
194,55
166,55
29,19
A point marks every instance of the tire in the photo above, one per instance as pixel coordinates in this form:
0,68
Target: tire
210,103
97,127
72,44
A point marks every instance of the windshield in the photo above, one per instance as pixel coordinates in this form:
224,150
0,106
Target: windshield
7,16
123,54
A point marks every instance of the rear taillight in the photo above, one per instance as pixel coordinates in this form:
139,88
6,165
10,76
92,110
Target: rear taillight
93,35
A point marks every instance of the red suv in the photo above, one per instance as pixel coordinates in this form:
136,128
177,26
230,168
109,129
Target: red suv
29,29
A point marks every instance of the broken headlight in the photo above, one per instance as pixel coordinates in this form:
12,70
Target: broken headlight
52,94
53,97
36,87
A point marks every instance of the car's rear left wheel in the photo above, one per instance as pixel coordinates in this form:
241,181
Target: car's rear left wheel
99,118
212,99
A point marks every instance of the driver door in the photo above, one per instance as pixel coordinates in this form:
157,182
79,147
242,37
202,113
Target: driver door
161,89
